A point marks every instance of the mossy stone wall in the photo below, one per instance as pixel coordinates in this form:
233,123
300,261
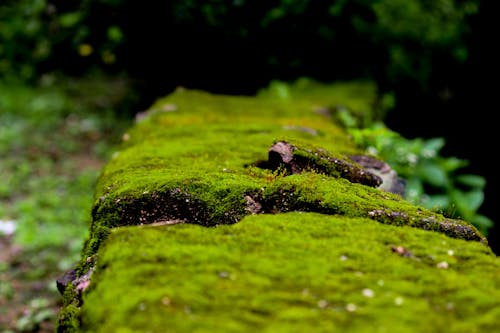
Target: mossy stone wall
194,229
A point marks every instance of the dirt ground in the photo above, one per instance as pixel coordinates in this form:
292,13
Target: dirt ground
29,300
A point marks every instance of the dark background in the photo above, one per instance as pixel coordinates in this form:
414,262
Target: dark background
468,119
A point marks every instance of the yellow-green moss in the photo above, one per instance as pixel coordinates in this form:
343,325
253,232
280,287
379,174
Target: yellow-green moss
195,155
294,272
200,158
68,319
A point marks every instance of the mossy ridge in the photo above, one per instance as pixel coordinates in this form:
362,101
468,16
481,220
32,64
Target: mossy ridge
191,159
293,272
216,133
318,193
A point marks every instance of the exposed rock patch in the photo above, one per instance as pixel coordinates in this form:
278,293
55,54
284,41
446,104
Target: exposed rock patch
296,160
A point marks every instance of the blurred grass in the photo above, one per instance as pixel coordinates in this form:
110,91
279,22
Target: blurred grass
54,138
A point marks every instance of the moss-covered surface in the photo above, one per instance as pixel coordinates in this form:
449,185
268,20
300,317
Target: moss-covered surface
293,272
198,158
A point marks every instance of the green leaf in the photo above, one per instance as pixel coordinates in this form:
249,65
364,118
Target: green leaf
436,202
432,147
467,202
346,118
474,181
482,222
414,189
115,34
434,175
43,315
69,20
452,163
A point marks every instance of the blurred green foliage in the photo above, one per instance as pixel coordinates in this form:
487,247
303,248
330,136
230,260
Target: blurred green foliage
52,142
433,181
38,311
185,41
24,41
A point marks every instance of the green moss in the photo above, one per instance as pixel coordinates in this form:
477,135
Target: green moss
68,319
193,158
194,154
319,193
288,273
201,159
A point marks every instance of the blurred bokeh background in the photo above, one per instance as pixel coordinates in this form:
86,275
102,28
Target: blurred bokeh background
73,74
